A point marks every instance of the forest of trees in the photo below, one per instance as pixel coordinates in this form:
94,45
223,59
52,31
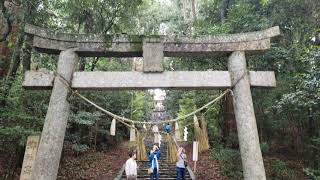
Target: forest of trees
288,116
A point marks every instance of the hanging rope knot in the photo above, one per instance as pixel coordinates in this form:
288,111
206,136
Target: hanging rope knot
245,73
231,92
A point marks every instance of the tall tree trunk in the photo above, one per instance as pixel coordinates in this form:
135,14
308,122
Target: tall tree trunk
26,53
15,59
88,28
5,29
94,63
15,21
194,11
15,63
312,129
5,55
82,63
317,38
230,127
188,11
224,10
5,23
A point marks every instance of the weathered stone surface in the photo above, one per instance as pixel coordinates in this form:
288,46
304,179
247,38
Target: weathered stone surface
262,78
50,148
131,45
4,28
88,49
152,56
210,49
252,161
139,80
41,79
29,157
118,38
137,64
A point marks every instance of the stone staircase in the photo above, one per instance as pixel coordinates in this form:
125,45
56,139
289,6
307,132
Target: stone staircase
167,170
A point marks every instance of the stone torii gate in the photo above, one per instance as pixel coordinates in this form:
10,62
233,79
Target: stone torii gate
152,49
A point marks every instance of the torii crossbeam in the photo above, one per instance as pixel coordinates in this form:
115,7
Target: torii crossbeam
153,49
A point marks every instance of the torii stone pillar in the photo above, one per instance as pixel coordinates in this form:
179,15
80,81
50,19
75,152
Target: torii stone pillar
50,148
251,157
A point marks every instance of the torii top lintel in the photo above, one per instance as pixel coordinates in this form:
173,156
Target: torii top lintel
122,45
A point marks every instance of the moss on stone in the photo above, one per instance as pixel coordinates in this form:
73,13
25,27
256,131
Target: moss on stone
136,42
108,40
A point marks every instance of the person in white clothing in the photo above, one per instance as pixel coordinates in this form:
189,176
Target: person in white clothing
131,166
181,163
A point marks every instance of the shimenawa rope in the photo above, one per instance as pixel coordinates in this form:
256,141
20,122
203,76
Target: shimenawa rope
126,120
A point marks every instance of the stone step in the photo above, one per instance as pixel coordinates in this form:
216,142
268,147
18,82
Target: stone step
161,164
160,178
169,173
160,175
164,167
167,170
163,171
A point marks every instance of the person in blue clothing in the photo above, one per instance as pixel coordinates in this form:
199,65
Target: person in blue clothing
154,164
168,128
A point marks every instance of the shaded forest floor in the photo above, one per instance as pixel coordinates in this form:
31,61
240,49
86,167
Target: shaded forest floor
207,167
293,167
91,165
94,165
105,165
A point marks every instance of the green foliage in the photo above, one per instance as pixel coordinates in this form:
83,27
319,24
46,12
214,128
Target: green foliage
280,170
114,64
312,173
142,105
230,160
85,118
264,147
80,148
159,17
94,16
16,122
243,18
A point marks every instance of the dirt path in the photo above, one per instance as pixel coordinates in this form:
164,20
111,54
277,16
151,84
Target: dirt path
105,165
207,167
94,165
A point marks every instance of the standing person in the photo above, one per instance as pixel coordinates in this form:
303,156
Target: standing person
131,166
154,164
181,163
168,128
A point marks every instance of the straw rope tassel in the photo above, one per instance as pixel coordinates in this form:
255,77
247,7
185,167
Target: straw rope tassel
177,131
195,120
141,149
113,127
204,127
156,137
197,132
132,134
200,135
172,150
